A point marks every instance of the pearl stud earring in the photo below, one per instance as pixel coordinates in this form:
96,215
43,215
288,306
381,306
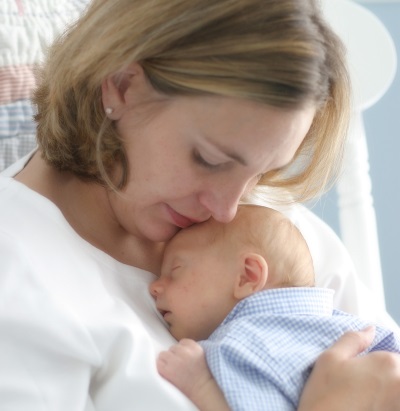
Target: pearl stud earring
109,110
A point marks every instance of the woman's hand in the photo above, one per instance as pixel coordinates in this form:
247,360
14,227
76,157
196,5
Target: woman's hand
342,381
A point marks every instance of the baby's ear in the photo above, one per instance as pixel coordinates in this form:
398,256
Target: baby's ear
252,276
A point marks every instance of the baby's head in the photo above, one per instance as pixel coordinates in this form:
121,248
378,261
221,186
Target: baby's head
271,235
209,267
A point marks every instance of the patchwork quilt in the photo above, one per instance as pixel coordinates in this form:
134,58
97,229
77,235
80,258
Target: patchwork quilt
27,27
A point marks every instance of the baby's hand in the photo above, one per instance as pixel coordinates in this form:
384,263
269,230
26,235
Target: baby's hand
184,365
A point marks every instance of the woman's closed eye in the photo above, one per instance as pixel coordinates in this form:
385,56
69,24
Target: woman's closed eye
206,162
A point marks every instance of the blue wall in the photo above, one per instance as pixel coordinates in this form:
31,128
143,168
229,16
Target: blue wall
382,123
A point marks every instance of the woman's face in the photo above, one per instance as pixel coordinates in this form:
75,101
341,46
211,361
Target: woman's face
194,157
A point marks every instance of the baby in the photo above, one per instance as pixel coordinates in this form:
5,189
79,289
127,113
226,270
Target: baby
245,291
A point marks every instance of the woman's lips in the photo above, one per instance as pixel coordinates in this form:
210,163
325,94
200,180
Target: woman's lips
180,220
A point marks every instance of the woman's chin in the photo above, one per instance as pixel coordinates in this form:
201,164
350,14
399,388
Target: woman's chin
162,234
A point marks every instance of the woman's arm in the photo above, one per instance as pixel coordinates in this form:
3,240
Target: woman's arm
184,365
342,381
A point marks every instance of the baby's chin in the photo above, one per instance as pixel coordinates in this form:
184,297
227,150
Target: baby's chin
196,336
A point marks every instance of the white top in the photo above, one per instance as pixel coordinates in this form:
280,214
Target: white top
78,329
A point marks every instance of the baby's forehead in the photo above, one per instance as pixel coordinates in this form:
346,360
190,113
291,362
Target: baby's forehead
198,234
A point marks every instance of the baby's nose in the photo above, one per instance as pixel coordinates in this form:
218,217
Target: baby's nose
155,288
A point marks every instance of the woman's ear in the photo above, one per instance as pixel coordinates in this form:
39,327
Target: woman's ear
117,89
252,276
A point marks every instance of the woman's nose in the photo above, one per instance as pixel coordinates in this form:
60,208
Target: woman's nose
222,201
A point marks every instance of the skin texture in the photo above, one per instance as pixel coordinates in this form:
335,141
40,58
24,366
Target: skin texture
191,307
203,278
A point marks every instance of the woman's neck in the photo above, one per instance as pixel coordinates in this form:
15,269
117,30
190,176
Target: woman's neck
86,208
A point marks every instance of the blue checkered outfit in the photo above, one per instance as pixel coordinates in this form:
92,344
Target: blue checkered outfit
263,352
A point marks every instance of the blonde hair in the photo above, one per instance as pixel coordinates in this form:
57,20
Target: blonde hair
276,52
269,233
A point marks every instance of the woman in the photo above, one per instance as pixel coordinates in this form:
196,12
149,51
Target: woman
153,116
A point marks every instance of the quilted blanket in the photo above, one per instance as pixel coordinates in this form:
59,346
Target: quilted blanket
26,28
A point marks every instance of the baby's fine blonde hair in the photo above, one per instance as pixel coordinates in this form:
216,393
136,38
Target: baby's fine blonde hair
276,52
272,235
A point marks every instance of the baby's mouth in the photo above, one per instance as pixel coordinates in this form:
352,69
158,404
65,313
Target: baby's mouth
163,312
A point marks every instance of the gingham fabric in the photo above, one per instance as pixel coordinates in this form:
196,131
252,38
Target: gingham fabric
263,352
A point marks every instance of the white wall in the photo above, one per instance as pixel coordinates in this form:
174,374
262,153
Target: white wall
382,123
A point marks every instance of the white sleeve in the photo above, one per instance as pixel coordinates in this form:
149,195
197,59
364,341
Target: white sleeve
45,357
